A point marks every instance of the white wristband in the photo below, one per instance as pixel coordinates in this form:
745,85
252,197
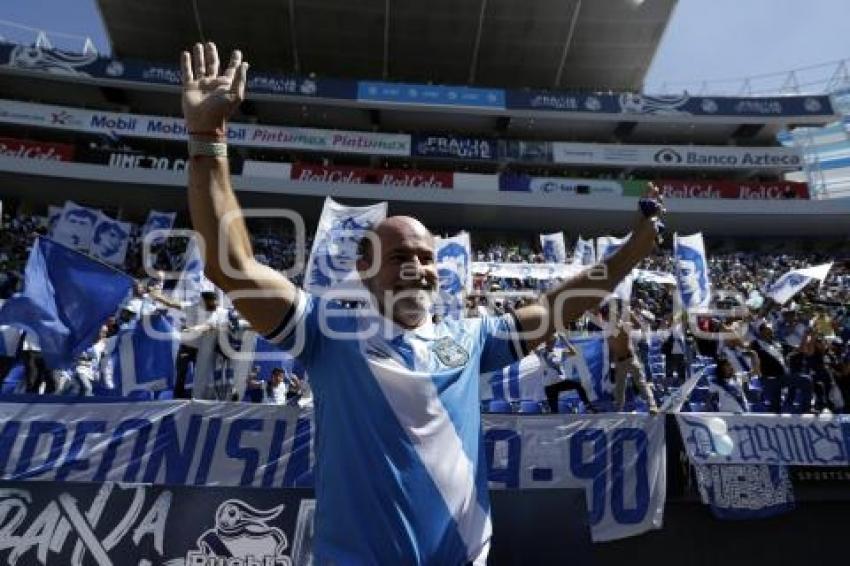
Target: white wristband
201,148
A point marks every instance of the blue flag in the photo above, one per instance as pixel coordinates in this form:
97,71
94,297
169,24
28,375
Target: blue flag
66,298
144,355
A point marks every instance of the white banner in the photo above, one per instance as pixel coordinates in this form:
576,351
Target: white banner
525,270
454,267
161,127
158,221
657,277
554,247
332,263
794,440
75,226
109,240
692,272
584,253
677,156
793,282
618,459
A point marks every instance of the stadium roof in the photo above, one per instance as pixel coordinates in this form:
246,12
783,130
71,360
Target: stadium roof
565,44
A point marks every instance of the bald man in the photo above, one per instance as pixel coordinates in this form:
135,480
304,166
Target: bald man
400,474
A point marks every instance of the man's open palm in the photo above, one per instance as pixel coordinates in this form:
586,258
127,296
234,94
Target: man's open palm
209,98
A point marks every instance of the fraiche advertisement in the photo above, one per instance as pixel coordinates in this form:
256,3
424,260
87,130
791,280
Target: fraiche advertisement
727,190
26,149
362,175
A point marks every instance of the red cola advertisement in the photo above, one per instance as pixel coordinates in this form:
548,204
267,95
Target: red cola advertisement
26,149
734,189
364,175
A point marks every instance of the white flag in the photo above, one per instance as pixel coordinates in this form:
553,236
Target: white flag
109,240
193,281
454,267
793,282
606,246
692,272
158,221
75,226
656,277
584,253
333,259
554,248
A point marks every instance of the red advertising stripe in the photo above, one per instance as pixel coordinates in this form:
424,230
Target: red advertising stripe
734,189
364,175
26,149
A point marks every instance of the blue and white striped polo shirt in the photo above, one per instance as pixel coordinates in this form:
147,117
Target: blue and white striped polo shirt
400,467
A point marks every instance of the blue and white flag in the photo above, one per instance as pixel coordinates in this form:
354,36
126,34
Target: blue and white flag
333,259
692,273
144,354
75,226
66,299
554,248
523,379
606,246
192,279
109,240
257,352
158,221
454,267
584,253
590,367
793,282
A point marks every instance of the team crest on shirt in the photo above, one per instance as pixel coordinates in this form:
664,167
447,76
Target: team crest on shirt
450,353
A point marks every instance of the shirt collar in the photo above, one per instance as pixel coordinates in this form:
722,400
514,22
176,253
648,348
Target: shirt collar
389,330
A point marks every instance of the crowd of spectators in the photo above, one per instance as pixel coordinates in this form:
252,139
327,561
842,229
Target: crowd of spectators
807,338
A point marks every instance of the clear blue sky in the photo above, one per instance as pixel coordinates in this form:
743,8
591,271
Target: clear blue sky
719,39
706,39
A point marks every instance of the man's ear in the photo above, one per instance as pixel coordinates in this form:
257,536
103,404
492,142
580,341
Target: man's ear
363,264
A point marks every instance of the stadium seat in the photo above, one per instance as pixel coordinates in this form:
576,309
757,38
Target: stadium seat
530,407
165,395
499,406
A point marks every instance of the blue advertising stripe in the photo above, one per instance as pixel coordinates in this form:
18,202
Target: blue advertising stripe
28,58
405,93
642,104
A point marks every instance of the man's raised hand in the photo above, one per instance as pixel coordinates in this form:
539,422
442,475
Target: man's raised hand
209,98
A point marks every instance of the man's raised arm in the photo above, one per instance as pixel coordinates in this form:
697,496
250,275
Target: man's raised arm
263,296
566,303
